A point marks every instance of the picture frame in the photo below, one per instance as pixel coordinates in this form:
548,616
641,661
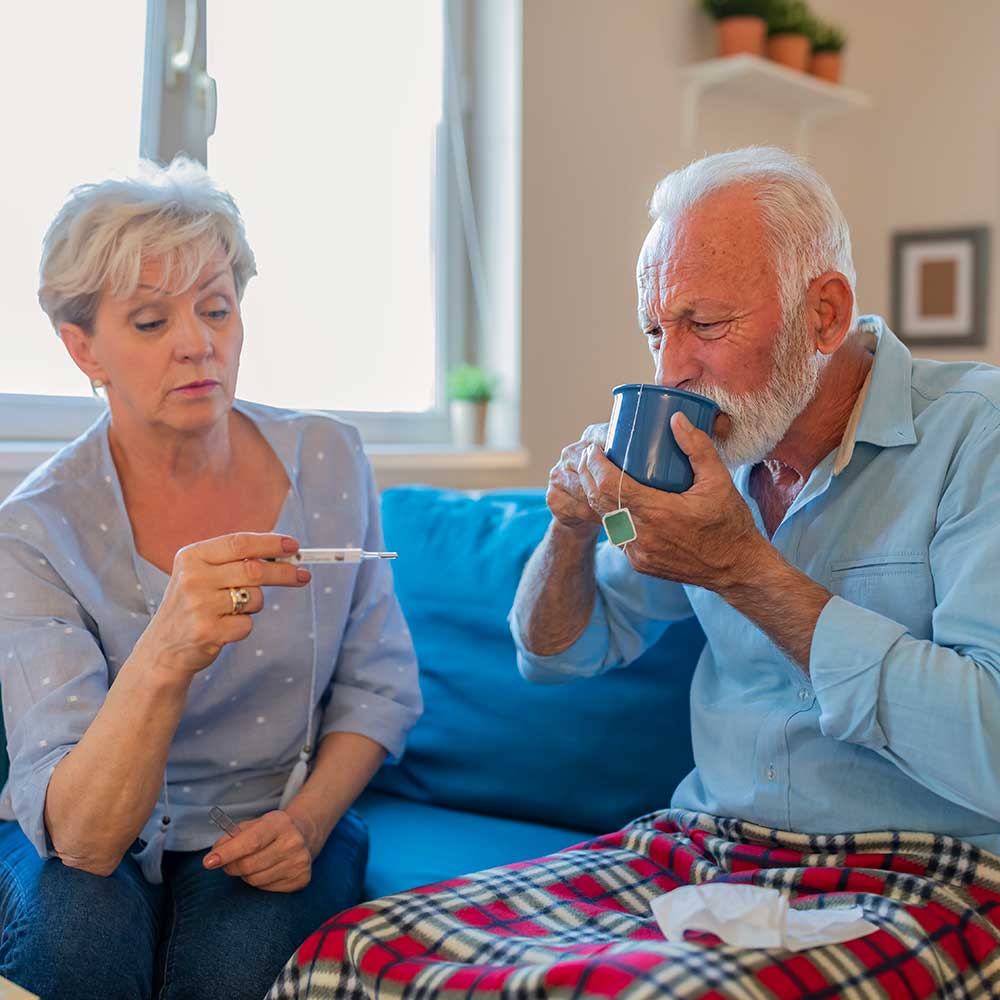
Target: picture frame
940,279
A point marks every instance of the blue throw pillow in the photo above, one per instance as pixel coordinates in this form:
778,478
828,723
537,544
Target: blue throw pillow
590,754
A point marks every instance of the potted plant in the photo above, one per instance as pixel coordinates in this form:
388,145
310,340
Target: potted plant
828,42
790,26
742,25
470,389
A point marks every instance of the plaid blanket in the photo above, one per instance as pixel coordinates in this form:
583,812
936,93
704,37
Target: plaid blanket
578,923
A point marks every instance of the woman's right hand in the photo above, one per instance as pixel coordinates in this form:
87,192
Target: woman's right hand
195,619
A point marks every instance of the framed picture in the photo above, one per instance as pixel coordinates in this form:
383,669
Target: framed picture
939,282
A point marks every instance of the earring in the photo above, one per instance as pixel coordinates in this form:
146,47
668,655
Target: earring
96,384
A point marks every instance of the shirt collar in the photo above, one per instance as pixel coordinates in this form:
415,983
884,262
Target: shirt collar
846,450
883,413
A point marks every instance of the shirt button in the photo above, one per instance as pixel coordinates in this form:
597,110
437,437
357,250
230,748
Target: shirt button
805,694
770,772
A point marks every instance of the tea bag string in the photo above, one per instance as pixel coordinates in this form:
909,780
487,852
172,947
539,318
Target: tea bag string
628,445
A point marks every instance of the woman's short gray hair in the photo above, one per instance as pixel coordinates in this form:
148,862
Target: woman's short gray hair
807,231
104,232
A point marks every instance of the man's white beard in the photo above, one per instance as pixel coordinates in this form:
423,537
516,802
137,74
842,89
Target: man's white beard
761,419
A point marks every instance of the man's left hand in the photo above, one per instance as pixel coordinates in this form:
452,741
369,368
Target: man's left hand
269,853
705,536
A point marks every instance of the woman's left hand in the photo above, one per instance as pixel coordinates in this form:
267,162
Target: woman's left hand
270,853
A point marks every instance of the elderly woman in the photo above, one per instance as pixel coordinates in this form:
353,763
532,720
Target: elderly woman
156,659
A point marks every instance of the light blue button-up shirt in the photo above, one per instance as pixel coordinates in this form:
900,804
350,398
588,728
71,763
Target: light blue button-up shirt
75,596
897,724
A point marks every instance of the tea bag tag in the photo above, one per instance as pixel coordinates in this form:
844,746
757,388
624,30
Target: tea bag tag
619,526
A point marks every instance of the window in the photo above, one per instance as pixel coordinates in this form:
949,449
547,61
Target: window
329,122
329,134
73,96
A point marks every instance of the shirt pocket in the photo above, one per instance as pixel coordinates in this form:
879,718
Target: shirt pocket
897,585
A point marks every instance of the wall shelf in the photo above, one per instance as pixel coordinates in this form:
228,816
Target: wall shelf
807,98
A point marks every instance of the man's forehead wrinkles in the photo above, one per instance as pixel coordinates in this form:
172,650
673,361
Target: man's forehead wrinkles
653,278
650,271
673,264
649,292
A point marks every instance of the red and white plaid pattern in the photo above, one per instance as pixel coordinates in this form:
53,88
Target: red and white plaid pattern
578,923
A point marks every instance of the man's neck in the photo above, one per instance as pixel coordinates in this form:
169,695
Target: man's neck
820,427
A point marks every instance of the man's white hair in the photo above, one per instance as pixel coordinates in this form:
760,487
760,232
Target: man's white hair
807,231
105,232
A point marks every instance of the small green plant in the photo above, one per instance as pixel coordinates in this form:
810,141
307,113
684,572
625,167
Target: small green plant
720,9
470,383
827,37
790,17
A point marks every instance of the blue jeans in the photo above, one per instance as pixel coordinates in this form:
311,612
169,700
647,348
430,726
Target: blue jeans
201,934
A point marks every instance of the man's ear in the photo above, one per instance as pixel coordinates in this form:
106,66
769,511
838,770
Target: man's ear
80,346
830,304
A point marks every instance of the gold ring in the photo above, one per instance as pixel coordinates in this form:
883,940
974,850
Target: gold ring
240,597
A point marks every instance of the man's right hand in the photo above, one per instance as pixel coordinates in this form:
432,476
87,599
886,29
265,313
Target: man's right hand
565,496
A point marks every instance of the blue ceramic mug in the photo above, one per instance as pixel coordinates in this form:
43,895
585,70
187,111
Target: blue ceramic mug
654,458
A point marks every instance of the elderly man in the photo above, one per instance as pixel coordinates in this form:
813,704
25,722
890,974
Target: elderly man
846,576
840,549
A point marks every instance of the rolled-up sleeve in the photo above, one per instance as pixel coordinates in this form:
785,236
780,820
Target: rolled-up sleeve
849,646
53,674
375,689
929,705
631,612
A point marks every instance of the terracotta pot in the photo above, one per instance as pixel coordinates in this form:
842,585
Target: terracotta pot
790,50
826,65
741,36
468,423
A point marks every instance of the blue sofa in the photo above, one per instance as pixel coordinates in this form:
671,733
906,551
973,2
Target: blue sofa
498,769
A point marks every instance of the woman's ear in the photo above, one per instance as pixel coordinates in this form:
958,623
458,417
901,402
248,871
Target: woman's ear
80,346
831,305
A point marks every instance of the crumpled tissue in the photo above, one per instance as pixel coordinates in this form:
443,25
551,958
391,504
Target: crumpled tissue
753,916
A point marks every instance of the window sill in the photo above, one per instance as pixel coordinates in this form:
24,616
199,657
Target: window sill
18,458
404,458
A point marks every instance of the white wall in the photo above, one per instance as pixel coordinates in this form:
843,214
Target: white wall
928,153
601,125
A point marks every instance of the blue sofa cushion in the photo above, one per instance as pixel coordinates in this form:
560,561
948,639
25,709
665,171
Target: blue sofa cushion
413,843
588,755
